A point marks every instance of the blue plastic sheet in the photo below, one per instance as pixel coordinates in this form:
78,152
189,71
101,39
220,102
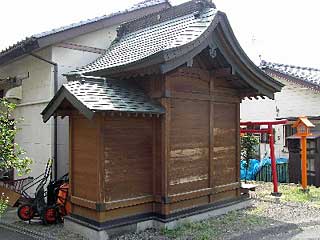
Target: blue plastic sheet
255,166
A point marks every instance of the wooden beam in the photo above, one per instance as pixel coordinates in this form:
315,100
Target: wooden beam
190,96
83,202
226,187
128,202
221,72
189,195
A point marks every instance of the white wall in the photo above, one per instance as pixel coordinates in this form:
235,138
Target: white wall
294,100
68,60
37,90
35,136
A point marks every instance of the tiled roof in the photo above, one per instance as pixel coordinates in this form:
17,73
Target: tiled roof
28,40
309,75
95,94
152,40
112,95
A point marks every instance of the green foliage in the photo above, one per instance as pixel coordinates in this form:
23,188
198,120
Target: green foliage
11,154
294,193
215,227
3,203
248,143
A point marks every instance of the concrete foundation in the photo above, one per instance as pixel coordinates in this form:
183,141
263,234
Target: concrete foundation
93,232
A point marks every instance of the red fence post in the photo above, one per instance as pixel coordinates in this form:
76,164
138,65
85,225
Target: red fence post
273,161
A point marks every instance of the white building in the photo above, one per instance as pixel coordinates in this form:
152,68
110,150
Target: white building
68,47
299,97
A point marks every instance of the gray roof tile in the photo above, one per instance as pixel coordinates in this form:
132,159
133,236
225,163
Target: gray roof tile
100,94
141,44
307,74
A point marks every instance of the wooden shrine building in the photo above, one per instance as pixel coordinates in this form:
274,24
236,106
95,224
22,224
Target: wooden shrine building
154,122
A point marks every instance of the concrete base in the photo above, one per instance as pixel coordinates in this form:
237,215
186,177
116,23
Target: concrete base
95,233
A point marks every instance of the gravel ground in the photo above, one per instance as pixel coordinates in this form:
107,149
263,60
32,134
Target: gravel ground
268,218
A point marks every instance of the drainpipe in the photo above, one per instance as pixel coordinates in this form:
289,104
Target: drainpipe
55,121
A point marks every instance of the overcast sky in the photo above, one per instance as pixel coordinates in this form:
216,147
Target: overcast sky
283,31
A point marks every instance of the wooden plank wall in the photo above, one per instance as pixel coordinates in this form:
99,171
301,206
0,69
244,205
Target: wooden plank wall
128,157
85,156
189,136
127,165
203,139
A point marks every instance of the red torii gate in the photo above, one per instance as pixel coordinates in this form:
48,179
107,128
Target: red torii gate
269,131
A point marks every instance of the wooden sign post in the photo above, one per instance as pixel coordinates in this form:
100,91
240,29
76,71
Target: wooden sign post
303,126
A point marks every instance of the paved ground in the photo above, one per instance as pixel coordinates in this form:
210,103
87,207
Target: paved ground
7,234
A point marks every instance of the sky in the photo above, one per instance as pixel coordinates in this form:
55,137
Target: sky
281,31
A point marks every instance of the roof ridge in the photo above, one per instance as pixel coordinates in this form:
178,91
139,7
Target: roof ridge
264,63
137,6
163,40
309,76
163,16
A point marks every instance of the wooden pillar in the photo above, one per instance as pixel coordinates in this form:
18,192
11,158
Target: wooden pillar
238,147
101,161
304,180
165,155
70,193
211,138
165,144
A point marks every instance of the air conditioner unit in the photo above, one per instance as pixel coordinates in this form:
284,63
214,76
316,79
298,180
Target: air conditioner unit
14,93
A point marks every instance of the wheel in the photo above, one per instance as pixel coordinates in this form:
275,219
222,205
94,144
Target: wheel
50,215
25,212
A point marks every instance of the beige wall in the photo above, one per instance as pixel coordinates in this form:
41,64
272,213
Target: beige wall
37,90
35,136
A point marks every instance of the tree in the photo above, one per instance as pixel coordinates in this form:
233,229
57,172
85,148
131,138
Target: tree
11,154
248,143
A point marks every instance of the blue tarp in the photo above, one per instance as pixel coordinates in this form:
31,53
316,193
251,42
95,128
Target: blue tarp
255,166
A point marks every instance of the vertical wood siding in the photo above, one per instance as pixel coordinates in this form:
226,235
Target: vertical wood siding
85,156
128,157
189,149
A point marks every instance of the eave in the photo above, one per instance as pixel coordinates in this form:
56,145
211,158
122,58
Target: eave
61,95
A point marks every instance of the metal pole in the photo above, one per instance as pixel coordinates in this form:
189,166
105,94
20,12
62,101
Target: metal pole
273,161
304,180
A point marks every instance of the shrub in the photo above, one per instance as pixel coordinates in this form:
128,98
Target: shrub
11,154
3,203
